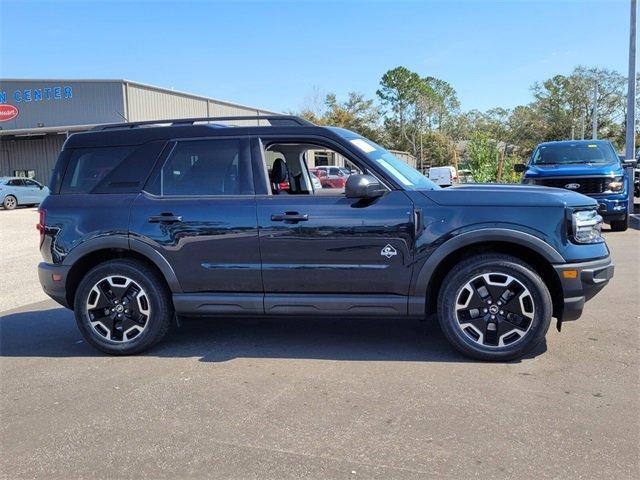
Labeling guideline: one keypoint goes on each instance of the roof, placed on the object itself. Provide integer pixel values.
(148, 133)
(573, 142)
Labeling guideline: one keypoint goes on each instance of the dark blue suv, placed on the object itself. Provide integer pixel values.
(149, 221)
(590, 167)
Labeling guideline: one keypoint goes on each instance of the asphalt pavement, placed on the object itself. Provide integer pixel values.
(292, 398)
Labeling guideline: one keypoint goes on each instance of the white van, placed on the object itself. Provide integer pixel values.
(443, 176)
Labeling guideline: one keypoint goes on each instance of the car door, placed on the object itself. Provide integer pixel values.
(198, 211)
(328, 254)
(34, 191)
(18, 189)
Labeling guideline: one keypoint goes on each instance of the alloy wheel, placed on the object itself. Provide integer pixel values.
(494, 310)
(118, 308)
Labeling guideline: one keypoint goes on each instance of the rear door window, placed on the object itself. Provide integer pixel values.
(206, 167)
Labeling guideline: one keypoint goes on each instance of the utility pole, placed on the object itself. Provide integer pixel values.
(594, 128)
(630, 153)
(582, 125)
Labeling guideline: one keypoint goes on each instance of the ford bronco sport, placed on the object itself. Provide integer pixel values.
(150, 221)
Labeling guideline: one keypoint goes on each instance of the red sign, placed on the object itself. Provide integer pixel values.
(8, 112)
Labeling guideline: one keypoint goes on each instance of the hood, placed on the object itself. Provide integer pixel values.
(505, 195)
(577, 169)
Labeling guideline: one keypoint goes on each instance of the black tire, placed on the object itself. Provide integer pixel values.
(619, 225)
(10, 202)
(538, 300)
(158, 303)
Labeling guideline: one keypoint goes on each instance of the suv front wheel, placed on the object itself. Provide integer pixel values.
(494, 307)
(122, 307)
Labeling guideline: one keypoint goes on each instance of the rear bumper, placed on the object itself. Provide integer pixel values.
(590, 279)
(53, 279)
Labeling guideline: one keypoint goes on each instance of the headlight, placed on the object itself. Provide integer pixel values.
(586, 226)
(616, 185)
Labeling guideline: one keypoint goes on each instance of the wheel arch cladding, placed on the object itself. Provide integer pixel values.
(85, 263)
(436, 268)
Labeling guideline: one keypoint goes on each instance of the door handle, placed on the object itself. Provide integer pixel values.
(292, 217)
(165, 218)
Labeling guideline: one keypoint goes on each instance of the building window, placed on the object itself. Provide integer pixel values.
(24, 173)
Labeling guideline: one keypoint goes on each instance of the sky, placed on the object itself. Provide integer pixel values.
(276, 54)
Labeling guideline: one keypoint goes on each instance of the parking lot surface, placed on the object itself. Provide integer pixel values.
(19, 258)
(291, 398)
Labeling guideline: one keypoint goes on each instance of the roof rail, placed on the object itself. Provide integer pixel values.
(274, 120)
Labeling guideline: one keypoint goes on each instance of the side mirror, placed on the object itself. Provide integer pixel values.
(629, 163)
(363, 186)
(519, 168)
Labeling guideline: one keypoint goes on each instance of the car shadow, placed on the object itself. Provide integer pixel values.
(53, 333)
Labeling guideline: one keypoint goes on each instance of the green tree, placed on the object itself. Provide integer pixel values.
(438, 149)
(483, 158)
(356, 113)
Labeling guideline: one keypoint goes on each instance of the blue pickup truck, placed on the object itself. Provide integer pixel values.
(590, 167)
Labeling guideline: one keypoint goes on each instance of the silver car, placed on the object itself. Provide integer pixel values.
(16, 191)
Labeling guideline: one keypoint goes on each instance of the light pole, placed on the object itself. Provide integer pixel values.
(594, 128)
(630, 153)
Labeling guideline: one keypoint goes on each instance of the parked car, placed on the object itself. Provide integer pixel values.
(590, 167)
(466, 176)
(443, 176)
(16, 191)
(182, 220)
(330, 177)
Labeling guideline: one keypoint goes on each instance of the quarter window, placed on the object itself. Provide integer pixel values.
(88, 167)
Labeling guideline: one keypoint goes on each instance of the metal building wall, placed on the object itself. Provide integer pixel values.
(30, 153)
(91, 102)
(146, 103)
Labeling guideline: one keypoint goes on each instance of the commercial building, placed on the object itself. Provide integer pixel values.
(36, 116)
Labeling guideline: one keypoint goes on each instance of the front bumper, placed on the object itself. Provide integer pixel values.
(53, 279)
(590, 279)
(612, 206)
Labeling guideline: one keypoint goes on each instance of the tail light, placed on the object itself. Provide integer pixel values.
(40, 225)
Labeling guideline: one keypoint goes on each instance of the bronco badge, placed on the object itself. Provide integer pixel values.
(388, 251)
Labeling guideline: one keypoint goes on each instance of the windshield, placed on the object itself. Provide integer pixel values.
(566, 153)
(402, 172)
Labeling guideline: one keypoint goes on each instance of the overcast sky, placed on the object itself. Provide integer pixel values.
(272, 54)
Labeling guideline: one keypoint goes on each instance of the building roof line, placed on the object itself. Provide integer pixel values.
(139, 84)
(37, 131)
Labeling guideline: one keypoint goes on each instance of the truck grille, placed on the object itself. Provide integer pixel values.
(588, 186)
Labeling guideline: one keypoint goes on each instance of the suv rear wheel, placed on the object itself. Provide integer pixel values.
(122, 307)
(494, 307)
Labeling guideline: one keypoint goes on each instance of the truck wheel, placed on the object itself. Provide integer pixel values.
(122, 307)
(619, 225)
(494, 307)
(10, 202)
